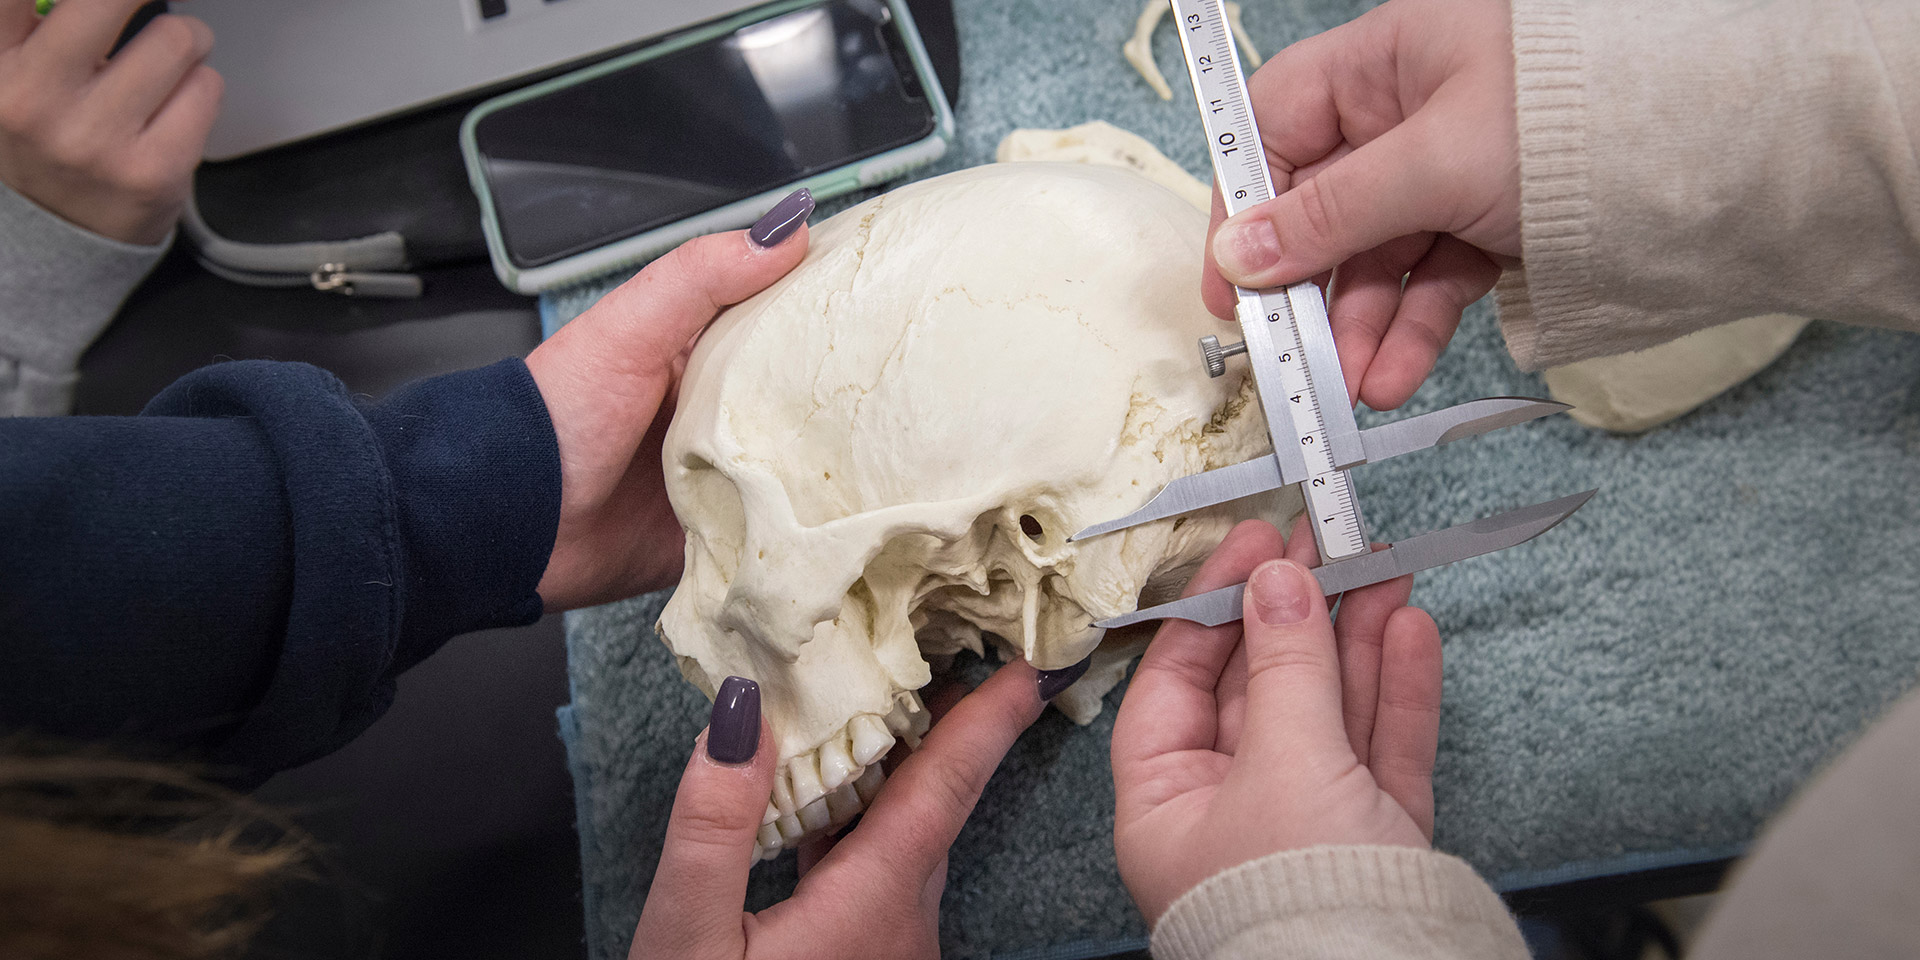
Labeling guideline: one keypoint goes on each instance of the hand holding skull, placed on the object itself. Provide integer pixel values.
(605, 378)
(874, 891)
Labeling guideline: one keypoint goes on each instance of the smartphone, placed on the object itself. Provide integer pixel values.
(614, 164)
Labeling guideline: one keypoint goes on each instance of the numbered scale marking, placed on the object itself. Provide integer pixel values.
(1303, 393)
(1311, 423)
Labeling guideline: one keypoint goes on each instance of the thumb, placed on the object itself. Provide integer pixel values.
(653, 315)
(646, 322)
(699, 890)
(1293, 666)
(1384, 189)
(604, 374)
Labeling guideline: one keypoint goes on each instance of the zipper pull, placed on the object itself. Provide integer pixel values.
(338, 278)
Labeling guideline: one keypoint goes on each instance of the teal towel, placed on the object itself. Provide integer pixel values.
(1643, 685)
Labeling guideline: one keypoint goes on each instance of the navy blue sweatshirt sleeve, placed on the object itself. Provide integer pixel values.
(238, 573)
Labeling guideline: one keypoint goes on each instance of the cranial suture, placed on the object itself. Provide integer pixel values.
(880, 458)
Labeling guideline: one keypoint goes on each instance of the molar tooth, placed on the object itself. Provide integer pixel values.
(843, 804)
(772, 814)
(806, 780)
(769, 840)
(836, 765)
(815, 817)
(759, 853)
(790, 828)
(869, 783)
(871, 741)
(783, 791)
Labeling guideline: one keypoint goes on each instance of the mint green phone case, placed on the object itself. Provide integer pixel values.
(635, 250)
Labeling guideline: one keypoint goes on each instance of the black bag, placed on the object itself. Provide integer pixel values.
(396, 189)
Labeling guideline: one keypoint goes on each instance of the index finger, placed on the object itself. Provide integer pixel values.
(926, 800)
(699, 887)
(78, 34)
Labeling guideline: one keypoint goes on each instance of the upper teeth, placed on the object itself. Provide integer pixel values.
(822, 789)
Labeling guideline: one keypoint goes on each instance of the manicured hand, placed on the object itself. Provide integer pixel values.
(108, 144)
(1288, 732)
(876, 892)
(1395, 152)
(608, 378)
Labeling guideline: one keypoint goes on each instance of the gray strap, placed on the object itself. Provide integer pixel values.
(367, 266)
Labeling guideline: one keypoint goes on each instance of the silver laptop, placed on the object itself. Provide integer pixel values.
(296, 68)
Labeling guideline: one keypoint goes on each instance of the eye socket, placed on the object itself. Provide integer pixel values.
(1031, 527)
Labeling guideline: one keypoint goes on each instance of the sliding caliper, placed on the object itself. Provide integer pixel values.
(1302, 391)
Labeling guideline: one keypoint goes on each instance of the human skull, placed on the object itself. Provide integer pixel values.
(879, 459)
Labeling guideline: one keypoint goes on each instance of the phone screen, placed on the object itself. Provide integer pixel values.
(701, 127)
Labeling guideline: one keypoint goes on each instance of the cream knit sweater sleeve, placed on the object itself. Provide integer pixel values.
(1686, 163)
(1341, 903)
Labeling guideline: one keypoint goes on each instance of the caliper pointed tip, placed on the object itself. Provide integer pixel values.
(1575, 501)
(1562, 508)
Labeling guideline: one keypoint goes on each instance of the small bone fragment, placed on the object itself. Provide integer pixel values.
(1247, 53)
(1642, 390)
(871, 741)
(806, 780)
(843, 805)
(836, 764)
(869, 783)
(1139, 49)
(815, 817)
(1103, 144)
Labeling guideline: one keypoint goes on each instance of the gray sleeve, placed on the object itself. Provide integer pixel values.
(60, 286)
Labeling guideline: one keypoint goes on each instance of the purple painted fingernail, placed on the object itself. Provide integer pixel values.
(733, 731)
(1052, 682)
(780, 222)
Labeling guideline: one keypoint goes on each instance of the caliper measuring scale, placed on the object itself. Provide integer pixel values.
(1296, 371)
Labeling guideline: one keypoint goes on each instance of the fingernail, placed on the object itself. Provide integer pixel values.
(1052, 682)
(1246, 248)
(733, 732)
(780, 222)
(1279, 591)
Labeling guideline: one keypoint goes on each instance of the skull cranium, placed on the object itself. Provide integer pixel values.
(880, 458)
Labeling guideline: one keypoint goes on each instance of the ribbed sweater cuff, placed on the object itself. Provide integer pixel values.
(1550, 90)
(1344, 901)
